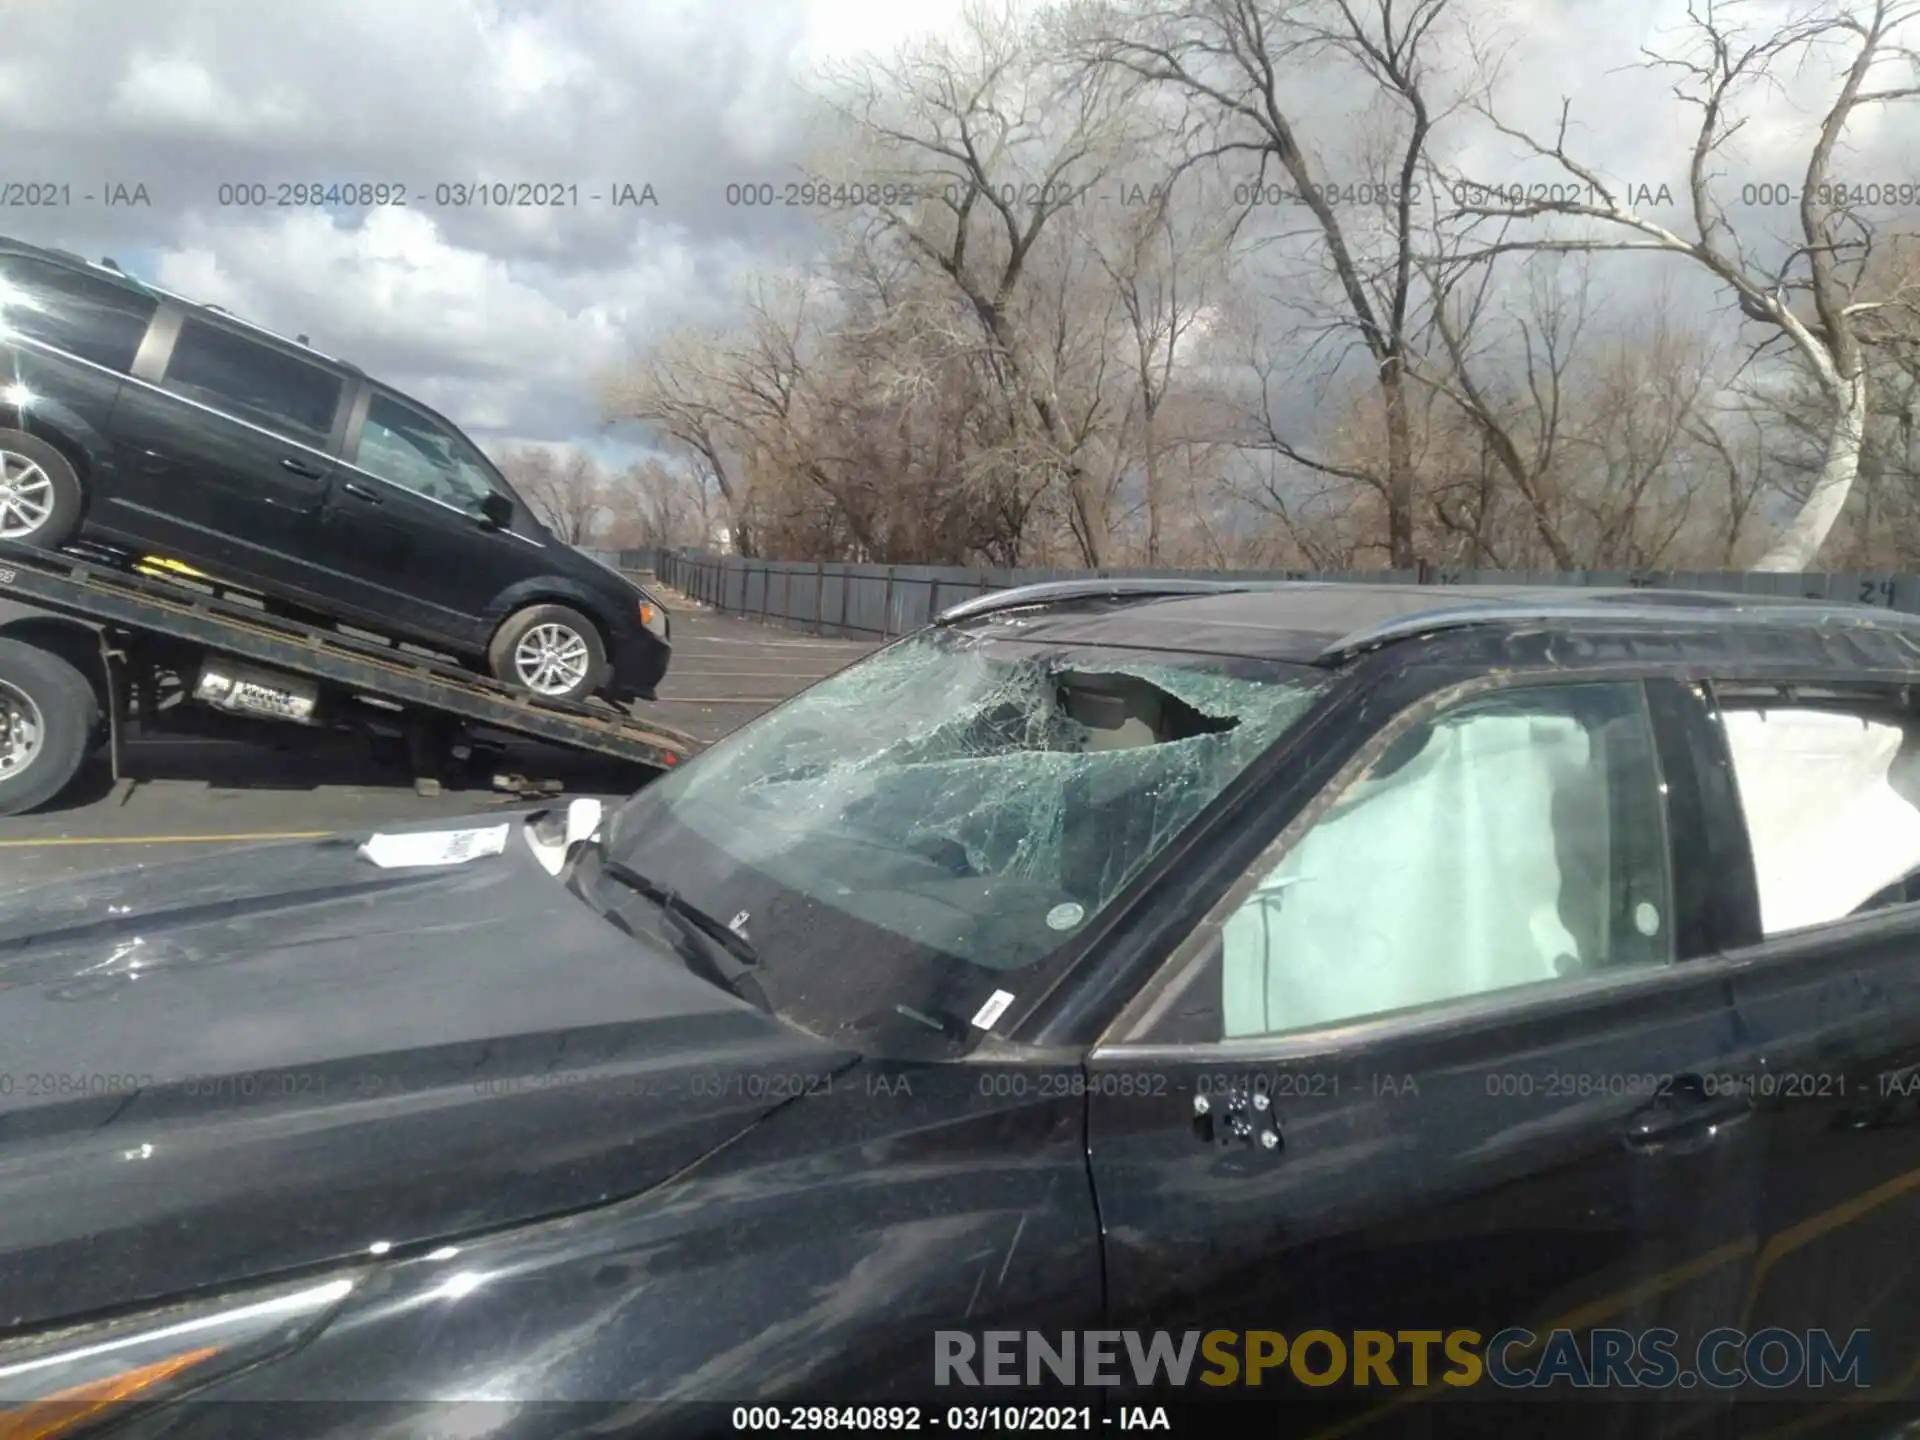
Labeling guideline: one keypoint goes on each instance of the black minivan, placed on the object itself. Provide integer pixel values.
(135, 419)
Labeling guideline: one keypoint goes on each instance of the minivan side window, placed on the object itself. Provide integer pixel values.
(85, 315)
(1516, 839)
(1831, 793)
(400, 444)
(250, 381)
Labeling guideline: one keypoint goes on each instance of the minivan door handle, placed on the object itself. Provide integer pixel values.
(361, 492)
(1686, 1117)
(302, 467)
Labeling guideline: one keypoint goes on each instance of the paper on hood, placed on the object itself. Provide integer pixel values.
(434, 847)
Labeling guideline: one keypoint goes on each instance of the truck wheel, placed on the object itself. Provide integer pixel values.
(550, 651)
(49, 722)
(40, 499)
(72, 642)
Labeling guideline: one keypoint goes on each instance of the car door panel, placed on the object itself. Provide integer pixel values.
(430, 562)
(1481, 1180)
(1842, 1192)
(1542, 1155)
(433, 567)
(215, 489)
(224, 445)
(1831, 1010)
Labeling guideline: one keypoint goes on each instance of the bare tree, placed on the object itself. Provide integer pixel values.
(1880, 528)
(680, 391)
(1523, 438)
(1585, 438)
(1830, 260)
(1737, 463)
(995, 146)
(1164, 258)
(656, 504)
(570, 491)
(1239, 64)
(1039, 349)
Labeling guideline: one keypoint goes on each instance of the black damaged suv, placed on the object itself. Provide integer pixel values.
(1443, 986)
(135, 419)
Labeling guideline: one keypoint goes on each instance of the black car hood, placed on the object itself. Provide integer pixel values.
(226, 1067)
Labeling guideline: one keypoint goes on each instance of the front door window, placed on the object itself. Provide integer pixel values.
(1516, 839)
(400, 444)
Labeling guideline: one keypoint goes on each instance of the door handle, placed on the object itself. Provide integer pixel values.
(361, 492)
(301, 467)
(1687, 1117)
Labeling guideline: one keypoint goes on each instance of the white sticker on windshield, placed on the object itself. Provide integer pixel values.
(1065, 917)
(434, 847)
(995, 1007)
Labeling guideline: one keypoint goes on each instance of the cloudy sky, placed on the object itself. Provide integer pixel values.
(502, 317)
(499, 316)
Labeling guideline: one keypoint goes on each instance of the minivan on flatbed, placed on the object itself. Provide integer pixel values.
(136, 419)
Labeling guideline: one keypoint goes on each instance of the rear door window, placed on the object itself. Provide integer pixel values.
(1831, 790)
(255, 382)
(86, 315)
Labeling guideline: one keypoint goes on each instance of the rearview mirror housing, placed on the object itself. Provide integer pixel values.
(497, 509)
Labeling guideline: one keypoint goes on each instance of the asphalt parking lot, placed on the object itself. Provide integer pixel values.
(189, 797)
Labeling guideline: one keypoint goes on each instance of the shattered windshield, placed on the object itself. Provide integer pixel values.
(931, 824)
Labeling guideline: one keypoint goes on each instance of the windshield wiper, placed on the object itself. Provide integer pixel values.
(728, 962)
(694, 934)
(674, 904)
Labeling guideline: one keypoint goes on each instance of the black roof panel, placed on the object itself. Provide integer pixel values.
(1326, 621)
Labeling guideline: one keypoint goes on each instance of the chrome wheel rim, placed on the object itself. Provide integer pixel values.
(22, 731)
(551, 659)
(26, 496)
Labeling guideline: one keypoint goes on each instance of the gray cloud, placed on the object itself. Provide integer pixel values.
(502, 316)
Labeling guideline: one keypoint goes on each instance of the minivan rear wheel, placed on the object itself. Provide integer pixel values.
(550, 651)
(40, 499)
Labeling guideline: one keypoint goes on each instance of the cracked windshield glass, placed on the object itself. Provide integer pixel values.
(933, 824)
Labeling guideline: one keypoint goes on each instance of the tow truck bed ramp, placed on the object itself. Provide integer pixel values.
(104, 595)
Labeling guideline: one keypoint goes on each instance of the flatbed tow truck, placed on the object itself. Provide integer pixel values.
(106, 642)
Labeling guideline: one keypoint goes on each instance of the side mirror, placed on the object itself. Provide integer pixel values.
(497, 510)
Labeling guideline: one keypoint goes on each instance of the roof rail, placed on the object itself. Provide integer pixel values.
(1054, 592)
(1735, 609)
(27, 247)
(228, 315)
(106, 264)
